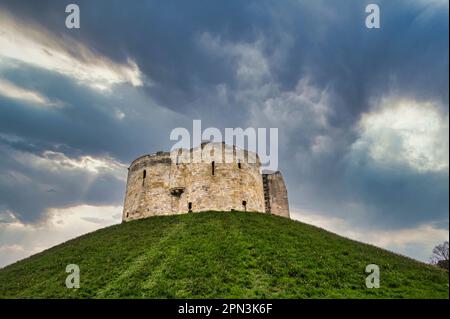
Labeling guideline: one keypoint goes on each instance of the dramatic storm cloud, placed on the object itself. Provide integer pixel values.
(362, 113)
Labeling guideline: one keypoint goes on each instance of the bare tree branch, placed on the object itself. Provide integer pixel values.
(440, 255)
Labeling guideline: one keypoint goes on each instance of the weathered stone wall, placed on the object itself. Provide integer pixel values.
(276, 197)
(169, 183)
(147, 187)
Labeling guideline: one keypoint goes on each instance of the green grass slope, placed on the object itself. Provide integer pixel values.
(219, 255)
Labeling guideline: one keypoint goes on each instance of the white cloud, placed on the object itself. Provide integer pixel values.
(22, 240)
(34, 45)
(33, 98)
(417, 242)
(59, 162)
(405, 132)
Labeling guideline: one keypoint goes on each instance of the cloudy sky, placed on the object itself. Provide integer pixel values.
(362, 114)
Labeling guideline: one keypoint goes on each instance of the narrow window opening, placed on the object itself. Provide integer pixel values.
(244, 203)
(128, 214)
(239, 164)
(212, 167)
(190, 207)
(144, 175)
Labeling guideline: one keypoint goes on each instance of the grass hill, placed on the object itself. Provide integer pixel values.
(219, 255)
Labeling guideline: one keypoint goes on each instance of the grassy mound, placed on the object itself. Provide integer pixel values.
(219, 255)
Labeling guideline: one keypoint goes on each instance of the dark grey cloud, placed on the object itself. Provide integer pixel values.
(398, 196)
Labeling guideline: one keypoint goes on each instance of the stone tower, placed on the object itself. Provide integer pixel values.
(213, 176)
